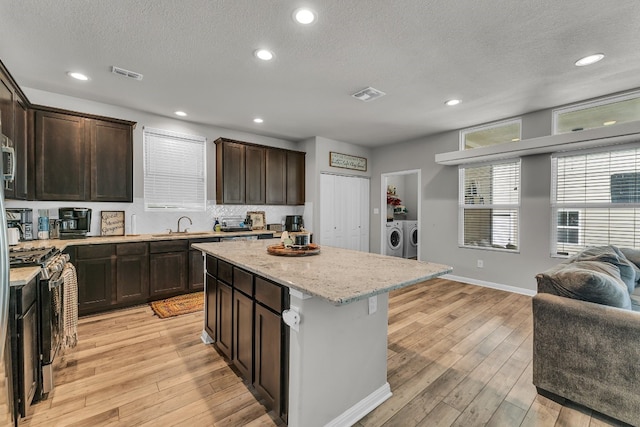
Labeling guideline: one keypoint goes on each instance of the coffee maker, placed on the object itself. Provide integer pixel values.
(75, 223)
(22, 219)
(293, 223)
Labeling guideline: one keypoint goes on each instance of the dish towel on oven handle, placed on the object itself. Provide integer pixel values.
(70, 313)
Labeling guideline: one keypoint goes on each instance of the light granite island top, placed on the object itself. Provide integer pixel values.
(340, 276)
(337, 340)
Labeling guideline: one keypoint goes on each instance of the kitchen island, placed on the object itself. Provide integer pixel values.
(337, 316)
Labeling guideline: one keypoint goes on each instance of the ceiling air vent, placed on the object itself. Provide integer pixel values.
(368, 94)
(126, 73)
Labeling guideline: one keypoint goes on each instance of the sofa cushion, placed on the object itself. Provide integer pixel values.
(635, 302)
(633, 255)
(592, 281)
(612, 255)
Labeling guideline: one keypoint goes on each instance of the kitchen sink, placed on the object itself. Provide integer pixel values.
(176, 234)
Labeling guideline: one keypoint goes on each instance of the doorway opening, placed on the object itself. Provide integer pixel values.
(400, 210)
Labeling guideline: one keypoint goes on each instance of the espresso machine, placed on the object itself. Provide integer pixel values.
(75, 223)
(22, 219)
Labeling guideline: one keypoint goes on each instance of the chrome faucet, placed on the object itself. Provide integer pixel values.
(180, 219)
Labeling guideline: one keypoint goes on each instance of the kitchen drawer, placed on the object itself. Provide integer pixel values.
(203, 240)
(95, 251)
(225, 272)
(269, 294)
(243, 281)
(137, 248)
(177, 245)
(212, 266)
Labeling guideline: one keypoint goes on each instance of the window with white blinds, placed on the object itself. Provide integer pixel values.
(174, 171)
(595, 199)
(489, 206)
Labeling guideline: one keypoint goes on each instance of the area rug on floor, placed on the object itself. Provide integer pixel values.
(182, 304)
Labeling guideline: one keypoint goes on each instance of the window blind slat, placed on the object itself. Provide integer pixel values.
(490, 206)
(174, 171)
(601, 192)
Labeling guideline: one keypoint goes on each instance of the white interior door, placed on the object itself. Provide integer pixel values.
(344, 212)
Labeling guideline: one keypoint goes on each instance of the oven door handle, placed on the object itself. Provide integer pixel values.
(54, 283)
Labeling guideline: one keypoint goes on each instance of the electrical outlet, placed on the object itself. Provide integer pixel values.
(373, 304)
(376, 211)
(480, 263)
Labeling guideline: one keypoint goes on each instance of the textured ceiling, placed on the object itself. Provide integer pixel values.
(502, 58)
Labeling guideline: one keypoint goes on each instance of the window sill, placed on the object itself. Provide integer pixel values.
(600, 137)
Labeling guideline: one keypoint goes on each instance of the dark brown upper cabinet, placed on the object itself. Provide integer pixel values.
(82, 158)
(256, 175)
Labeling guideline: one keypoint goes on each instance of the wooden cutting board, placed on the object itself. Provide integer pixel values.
(280, 250)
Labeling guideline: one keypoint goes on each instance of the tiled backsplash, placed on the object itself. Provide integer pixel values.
(158, 222)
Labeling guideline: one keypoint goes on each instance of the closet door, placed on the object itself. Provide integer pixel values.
(327, 210)
(364, 215)
(344, 212)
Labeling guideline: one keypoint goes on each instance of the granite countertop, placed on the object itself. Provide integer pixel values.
(339, 276)
(19, 276)
(129, 238)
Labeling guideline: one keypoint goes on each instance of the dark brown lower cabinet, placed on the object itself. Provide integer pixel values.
(224, 323)
(168, 273)
(132, 272)
(243, 334)
(243, 317)
(196, 270)
(211, 307)
(269, 371)
(95, 268)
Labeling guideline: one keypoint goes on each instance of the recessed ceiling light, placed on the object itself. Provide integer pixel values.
(181, 113)
(264, 54)
(304, 16)
(258, 120)
(609, 123)
(452, 102)
(588, 60)
(78, 76)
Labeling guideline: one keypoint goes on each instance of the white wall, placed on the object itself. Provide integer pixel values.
(148, 222)
(439, 213)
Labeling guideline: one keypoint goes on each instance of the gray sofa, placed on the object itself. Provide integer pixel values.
(586, 332)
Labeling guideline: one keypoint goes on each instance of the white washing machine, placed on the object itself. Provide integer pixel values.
(394, 239)
(410, 232)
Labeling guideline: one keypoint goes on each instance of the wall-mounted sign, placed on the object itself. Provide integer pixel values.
(112, 223)
(346, 161)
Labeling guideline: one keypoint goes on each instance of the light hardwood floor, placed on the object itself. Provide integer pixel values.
(459, 355)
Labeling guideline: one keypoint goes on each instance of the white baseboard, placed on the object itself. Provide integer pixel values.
(206, 338)
(491, 285)
(362, 408)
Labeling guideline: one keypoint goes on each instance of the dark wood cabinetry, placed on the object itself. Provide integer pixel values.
(256, 174)
(95, 265)
(230, 173)
(224, 313)
(276, 177)
(168, 267)
(111, 161)
(132, 272)
(59, 146)
(23, 331)
(14, 125)
(96, 155)
(243, 317)
(295, 178)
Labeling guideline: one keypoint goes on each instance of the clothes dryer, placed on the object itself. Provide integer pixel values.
(410, 234)
(394, 239)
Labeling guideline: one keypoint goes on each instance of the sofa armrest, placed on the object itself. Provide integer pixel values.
(588, 353)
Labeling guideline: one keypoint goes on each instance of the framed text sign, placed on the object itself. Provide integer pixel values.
(346, 161)
(112, 223)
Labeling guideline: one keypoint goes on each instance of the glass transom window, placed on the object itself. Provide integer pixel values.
(595, 114)
(491, 134)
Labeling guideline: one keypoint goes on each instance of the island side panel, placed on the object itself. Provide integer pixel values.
(338, 360)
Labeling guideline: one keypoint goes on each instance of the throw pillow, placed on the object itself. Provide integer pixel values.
(612, 255)
(592, 281)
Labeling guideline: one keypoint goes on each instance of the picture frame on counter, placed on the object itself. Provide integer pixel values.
(257, 220)
(347, 161)
(112, 223)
